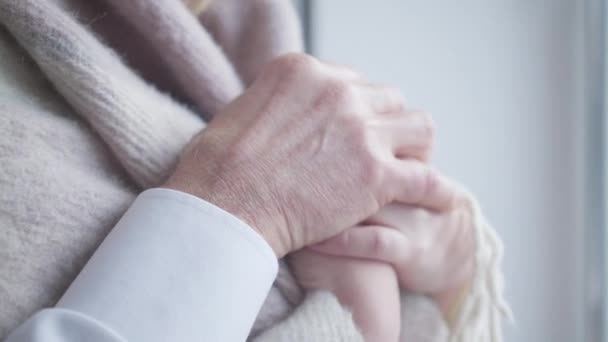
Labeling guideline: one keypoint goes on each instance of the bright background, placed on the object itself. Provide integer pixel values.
(503, 81)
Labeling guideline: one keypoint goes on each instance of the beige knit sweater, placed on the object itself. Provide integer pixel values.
(87, 121)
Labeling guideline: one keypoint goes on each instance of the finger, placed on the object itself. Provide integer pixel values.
(398, 215)
(381, 99)
(368, 242)
(410, 133)
(415, 183)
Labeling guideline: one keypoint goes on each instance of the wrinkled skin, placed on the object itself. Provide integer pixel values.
(308, 150)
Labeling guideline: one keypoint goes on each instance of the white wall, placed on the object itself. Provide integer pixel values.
(499, 77)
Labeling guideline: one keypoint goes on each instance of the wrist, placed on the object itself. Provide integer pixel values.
(241, 206)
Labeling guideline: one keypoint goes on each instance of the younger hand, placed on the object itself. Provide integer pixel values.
(368, 288)
(431, 251)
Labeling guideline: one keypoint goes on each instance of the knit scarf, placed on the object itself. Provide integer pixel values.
(175, 70)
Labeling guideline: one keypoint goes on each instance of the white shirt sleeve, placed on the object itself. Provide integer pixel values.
(175, 268)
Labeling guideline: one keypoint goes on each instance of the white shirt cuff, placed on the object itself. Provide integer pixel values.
(175, 268)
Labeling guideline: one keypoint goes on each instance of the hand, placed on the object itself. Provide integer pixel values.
(309, 150)
(431, 251)
(368, 288)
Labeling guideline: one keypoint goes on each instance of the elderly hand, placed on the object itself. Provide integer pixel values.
(309, 150)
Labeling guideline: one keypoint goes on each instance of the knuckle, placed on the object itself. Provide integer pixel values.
(372, 166)
(355, 127)
(423, 182)
(292, 63)
(381, 244)
(339, 93)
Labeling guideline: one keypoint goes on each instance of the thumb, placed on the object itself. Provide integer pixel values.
(368, 242)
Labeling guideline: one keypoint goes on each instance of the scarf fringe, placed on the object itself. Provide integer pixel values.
(485, 308)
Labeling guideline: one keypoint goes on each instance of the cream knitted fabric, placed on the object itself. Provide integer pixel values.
(81, 132)
(320, 310)
(484, 309)
(415, 322)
